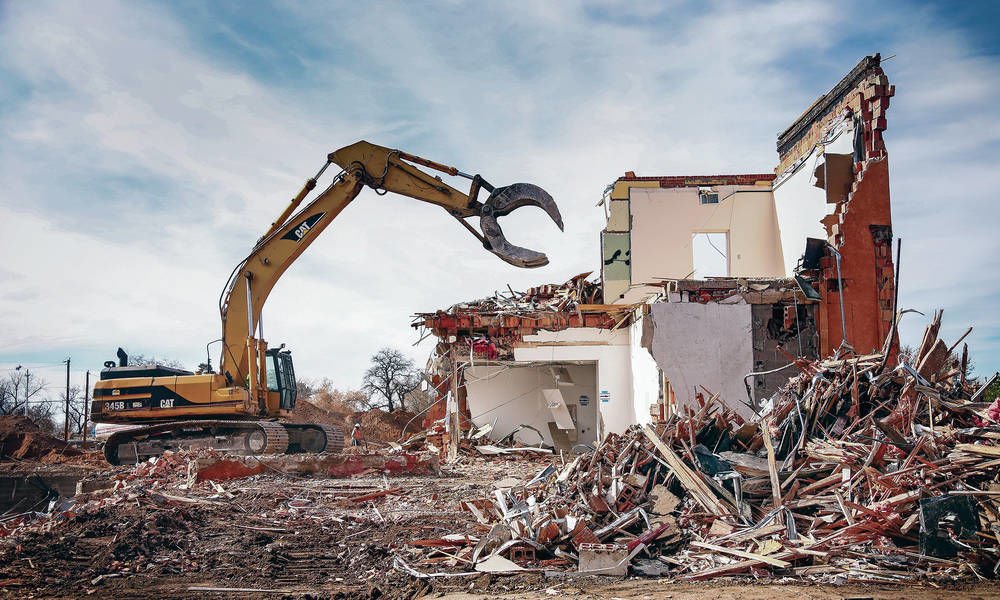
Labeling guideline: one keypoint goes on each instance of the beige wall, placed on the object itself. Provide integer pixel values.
(663, 220)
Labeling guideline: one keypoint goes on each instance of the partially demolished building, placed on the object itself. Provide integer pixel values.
(710, 287)
(718, 297)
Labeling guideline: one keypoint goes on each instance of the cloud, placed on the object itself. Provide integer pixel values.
(148, 146)
(943, 140)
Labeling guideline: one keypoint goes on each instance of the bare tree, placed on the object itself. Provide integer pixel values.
(142, 360)
(418, 400)
(304, 388)
(390, 378)
(17, 389)
(41, 414)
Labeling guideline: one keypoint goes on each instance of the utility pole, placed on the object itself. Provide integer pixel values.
(66, 425)
(86, 406)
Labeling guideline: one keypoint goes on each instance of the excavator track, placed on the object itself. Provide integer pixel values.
(234, 437)
(314, 438)
(276, 440)
(334, 438)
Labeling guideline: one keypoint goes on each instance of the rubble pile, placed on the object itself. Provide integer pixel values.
(853, 472)
(550, 297)
(21, 438)
(145, 480)
(488, 328)
(190, 517)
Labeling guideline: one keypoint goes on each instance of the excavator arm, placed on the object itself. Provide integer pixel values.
(362, 165)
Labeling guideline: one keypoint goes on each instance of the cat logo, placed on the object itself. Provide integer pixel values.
(299, 231)
(116, 392)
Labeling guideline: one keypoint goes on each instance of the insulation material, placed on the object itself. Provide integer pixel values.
(709, 345)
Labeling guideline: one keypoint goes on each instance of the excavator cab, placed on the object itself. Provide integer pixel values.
(281, 376)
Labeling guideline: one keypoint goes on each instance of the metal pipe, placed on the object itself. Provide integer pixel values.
(251, 347)
(430, 164)
(66, 423)
(840, 288)
(895, 308)
(208, 356)
(798, 327)
(753, 401)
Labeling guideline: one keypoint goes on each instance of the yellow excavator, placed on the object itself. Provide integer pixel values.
(240, 408)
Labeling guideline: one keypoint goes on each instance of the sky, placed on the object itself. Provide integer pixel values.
(144, 147)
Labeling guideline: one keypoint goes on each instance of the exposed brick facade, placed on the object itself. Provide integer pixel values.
(676, 181)
(865, 240)
(861, 225)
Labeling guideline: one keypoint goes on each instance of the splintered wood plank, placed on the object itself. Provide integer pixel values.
(740, 553)
(979, 449)
(772, 467)
(691, 481)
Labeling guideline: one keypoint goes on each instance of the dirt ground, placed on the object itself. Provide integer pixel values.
(654, 589)
(378, 426)
(276, 535)
(303, 535)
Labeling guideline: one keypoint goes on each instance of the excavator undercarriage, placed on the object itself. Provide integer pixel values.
(248, 438)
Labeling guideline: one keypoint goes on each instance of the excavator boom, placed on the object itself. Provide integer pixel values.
(363, 165)
(182, 409)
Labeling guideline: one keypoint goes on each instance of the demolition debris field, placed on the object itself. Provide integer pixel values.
(857, 479)
(310, 536)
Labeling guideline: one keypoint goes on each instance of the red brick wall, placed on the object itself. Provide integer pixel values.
(866, 268)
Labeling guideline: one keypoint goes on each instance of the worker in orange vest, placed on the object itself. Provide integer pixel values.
(356, 437)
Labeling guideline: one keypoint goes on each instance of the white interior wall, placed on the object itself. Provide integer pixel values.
(645, 374)
(513, 395)
(704, 344)
(800, 206)
(710, 255)
(609, 349)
